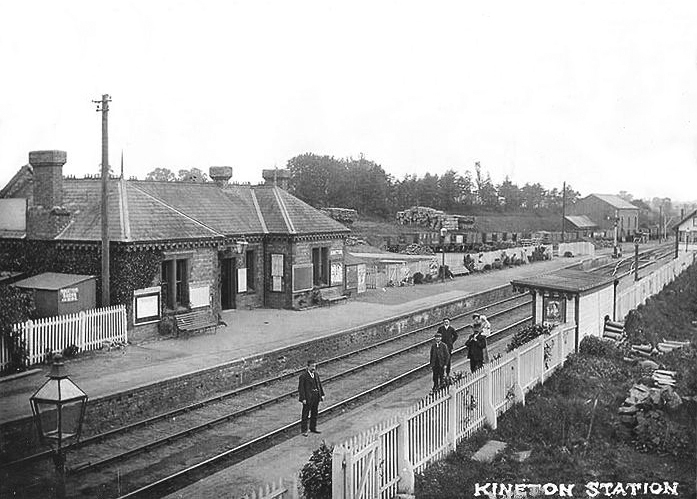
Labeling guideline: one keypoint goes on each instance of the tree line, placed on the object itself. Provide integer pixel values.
(362, 184)
(325, 181)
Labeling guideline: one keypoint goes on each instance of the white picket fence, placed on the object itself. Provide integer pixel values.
(87, 330)
(368, 466)
(636, 294)
(276, 490)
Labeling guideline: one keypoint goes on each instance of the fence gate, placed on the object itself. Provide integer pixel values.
(360, 464)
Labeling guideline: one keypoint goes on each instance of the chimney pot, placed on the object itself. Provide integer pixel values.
(279, 177)
(220, 174)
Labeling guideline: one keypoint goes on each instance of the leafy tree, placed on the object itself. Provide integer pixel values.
(533, 196)
(450, 188)
(192, 175)
(510, 192)
(318, 180)
(162, 174)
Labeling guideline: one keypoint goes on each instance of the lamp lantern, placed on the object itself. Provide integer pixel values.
(58, 409)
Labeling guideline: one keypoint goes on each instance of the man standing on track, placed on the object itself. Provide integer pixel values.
(449, 336)
(440, 357)
(310, 393)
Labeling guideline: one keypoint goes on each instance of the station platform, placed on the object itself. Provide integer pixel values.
(251, 332)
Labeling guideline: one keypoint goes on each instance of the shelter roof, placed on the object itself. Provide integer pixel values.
(616, 201)
(564, 281)
(581, 221)
(52, 281)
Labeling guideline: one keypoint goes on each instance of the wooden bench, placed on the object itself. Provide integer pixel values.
(198, 320)
(329, 296)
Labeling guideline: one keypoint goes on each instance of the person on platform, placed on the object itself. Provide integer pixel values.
(476, 345)
(310, 394)
(449, 336)
(440, 357)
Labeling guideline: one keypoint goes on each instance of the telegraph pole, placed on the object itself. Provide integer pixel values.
(563, 212)
(103, 107)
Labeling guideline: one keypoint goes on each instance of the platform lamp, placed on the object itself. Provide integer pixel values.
(58, 408)
(687, 237)
(443, 233)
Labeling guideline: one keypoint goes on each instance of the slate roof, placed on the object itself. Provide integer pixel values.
(154, 211)
(616, 201)
(581, 221)
(565, 280)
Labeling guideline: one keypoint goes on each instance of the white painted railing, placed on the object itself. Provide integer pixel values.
(87, 330)
(637, 294)
(368, 466)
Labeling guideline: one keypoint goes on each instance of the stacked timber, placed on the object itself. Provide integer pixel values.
(614, 331)
(345, 216)
(646, 350)
(431, 218)
(668, 345)
(664, 378)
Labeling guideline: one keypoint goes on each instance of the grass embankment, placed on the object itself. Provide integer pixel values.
(555, 424)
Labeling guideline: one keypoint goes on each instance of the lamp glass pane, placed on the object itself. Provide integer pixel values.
(62, 424)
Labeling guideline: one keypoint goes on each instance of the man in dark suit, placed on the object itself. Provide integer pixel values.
(310, 394)
(476, 344)
(449, 336)
(440, 357)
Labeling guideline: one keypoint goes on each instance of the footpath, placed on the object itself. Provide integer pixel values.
(251, 332)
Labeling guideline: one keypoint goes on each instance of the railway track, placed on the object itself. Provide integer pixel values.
(151, 457)
(157, 456)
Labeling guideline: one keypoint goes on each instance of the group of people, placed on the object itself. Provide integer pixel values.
(310, 390)
(444, 341)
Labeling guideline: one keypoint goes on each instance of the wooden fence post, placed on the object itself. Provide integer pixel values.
(404, 466)
(452, 419)
(489, 410)
(519, 393)
(339, 472)
(28, 334)
(81, 329)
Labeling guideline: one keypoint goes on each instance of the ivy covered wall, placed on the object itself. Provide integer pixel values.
(129, 270)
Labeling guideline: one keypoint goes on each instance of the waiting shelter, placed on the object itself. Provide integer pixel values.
(571, 296)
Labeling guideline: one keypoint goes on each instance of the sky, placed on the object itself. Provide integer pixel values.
(600, 94)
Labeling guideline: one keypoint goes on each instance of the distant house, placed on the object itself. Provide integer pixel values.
(607, 209)
(185, 244)
(581, 224)
(686, 234)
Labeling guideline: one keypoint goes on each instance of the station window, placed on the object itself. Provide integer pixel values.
(320, 266)
(175, 282)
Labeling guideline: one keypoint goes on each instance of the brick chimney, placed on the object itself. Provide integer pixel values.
(279, 178)
(221, 175)
(47, 217)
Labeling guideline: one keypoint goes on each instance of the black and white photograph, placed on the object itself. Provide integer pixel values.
(348, 250)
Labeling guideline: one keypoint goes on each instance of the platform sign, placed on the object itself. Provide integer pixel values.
(68, 295)
(146, 305)
(554, 309)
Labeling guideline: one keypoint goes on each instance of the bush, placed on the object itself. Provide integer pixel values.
(166, 326)
(70, 351)
(316, 475)
(16, 305)
(527, 334)
(418, 278)
(487, 267)
(568, 254)
(598, 347)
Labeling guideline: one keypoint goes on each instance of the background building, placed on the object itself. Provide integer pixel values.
(607, 209)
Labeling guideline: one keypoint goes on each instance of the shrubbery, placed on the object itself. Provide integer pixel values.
(316, 475)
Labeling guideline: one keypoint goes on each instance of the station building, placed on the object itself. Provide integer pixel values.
(686, 234)
(175, 246)
(604, 210)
